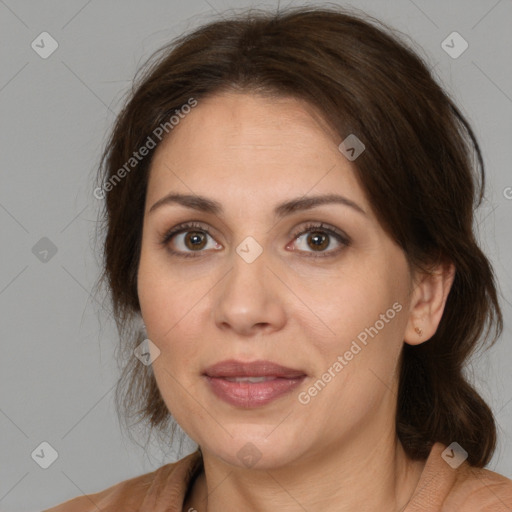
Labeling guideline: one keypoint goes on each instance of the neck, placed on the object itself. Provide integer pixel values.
(356, 475)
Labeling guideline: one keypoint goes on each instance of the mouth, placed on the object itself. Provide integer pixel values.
(254, 384)
(253, 380)
(232, 369)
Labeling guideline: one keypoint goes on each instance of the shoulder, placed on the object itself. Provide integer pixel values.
(129, 493)
(449, 486)
(479, 490)
(132, 494)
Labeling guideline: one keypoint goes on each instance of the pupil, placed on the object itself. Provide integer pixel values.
(319, 240)
(195, 240)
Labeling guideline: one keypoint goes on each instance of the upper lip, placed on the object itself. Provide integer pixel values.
(260, 368)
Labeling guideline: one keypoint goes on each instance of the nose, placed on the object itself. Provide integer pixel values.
(249, 300)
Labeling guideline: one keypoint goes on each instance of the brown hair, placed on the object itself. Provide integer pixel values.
(422, 171)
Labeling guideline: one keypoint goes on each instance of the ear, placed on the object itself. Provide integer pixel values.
(428, 299)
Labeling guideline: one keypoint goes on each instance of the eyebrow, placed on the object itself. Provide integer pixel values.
(204, 204)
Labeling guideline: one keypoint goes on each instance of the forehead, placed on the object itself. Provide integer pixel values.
(244, 145)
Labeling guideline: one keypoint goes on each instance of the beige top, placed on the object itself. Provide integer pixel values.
(440, 489)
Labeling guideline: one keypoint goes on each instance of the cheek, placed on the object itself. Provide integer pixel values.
(357, 369)
(335, 307)
(175, 309)
(168, 312)
(361, 317)
(165, 297)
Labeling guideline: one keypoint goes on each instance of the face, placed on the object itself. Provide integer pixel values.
(317, 288)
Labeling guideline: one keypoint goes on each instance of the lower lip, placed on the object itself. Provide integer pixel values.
(252, 394)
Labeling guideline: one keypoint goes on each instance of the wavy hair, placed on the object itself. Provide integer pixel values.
(422, 171)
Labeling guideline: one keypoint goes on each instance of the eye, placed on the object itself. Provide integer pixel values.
(318, 239)
(189, 238)
(186, 239)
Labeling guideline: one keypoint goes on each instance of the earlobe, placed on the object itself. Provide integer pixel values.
(428, 300)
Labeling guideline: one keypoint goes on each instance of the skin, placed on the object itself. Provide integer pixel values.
(339, 451)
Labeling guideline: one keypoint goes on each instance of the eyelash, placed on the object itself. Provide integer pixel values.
(309, 227)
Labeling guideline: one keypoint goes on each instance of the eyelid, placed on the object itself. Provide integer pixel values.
(311, 227)
(306, 227)
(183, 227)
(321, 226)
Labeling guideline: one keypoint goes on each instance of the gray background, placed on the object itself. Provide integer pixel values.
(57, 367)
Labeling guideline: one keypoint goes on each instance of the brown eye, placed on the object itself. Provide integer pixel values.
(314, 240)
(318, 241)
(189, 240)
(195, 240)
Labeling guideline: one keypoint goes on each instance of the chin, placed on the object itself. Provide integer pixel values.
(258, 451)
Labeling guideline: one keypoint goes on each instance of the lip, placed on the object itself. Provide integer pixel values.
(281, 380)
(260, 368)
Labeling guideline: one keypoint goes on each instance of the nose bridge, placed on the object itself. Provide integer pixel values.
(248, 273)
(248, 296)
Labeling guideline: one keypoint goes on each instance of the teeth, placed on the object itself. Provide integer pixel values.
(249, 379)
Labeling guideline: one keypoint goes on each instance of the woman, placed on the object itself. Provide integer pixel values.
(289, 207)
